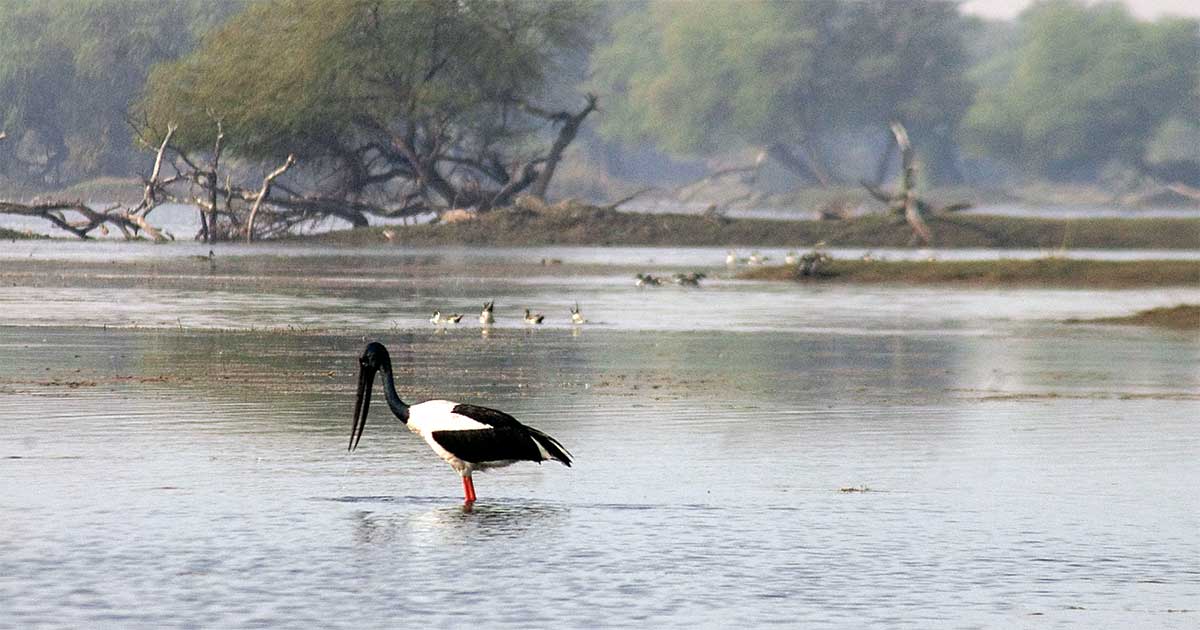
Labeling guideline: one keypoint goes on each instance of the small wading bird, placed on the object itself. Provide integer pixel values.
(468, 437)
(577, 315)
(647, 280)
(690, 279)
(485, 316)
(439, 320)
(533, 318)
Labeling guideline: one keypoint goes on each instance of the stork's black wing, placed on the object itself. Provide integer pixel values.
(486, 415)
(511, 442)
(506, 439)
(510, 438)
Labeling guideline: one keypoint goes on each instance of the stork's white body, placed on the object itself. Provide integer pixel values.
(438, 415)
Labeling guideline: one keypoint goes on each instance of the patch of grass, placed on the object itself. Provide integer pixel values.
(99, 189)
(1038, 272)
(1182, 317)
(586, 225)
(14, 235)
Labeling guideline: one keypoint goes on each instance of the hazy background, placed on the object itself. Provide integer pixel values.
(750, 105)
(1145, 9)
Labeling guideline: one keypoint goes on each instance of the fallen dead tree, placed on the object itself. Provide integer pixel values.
(905, 202)
(73, 216)
(233, 204)
(81, 220)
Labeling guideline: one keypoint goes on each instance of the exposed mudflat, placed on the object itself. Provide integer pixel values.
(1049, 271)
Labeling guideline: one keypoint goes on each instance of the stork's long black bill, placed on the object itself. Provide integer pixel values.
(362, 403)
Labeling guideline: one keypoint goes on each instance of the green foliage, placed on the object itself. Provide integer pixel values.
(757, 72)
(1086, 85)
(326, 79)
(70, 68)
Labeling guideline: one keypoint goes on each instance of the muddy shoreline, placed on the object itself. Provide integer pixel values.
(582, 225)
(1049, 272)
(1182, 317)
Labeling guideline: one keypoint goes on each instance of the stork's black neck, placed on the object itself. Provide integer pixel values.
(398, 407)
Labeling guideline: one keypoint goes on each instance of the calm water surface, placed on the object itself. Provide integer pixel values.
(1020, 472)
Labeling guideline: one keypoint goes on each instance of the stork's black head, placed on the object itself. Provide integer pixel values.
(374, 358)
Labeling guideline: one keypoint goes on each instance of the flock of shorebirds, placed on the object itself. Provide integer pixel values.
(487, 316)
(755, 258)
(691, 279)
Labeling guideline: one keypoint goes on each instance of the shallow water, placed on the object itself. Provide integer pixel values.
(1020, 472)
(641, 257)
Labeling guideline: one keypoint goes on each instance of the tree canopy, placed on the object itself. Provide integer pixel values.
(69, 70)
(784, 74)
(1086, 85)
(413, 103)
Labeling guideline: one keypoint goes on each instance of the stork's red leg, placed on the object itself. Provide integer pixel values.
(468, 489)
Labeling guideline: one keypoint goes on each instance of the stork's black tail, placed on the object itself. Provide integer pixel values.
(553, 447)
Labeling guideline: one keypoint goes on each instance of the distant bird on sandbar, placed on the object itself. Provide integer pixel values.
(647, 280)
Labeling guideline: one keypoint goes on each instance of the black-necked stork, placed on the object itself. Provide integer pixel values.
(468, 437)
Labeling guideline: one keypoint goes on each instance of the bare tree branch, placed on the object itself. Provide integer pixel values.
(630, 197)
(570, 127)
(262, 194)
(54, 211)
(905, 201)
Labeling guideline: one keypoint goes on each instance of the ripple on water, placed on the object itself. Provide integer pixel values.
(203, 480)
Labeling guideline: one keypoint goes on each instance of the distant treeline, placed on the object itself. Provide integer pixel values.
(441, 97)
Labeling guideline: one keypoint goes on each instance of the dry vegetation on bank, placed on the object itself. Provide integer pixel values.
(586, 225)
(1182, 317)
(1038, 272)
(14, 235)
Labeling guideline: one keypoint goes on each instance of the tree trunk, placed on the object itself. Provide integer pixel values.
(885, 160)
(262, 194)
(804, 164)
(213, 180)
(565, 135)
